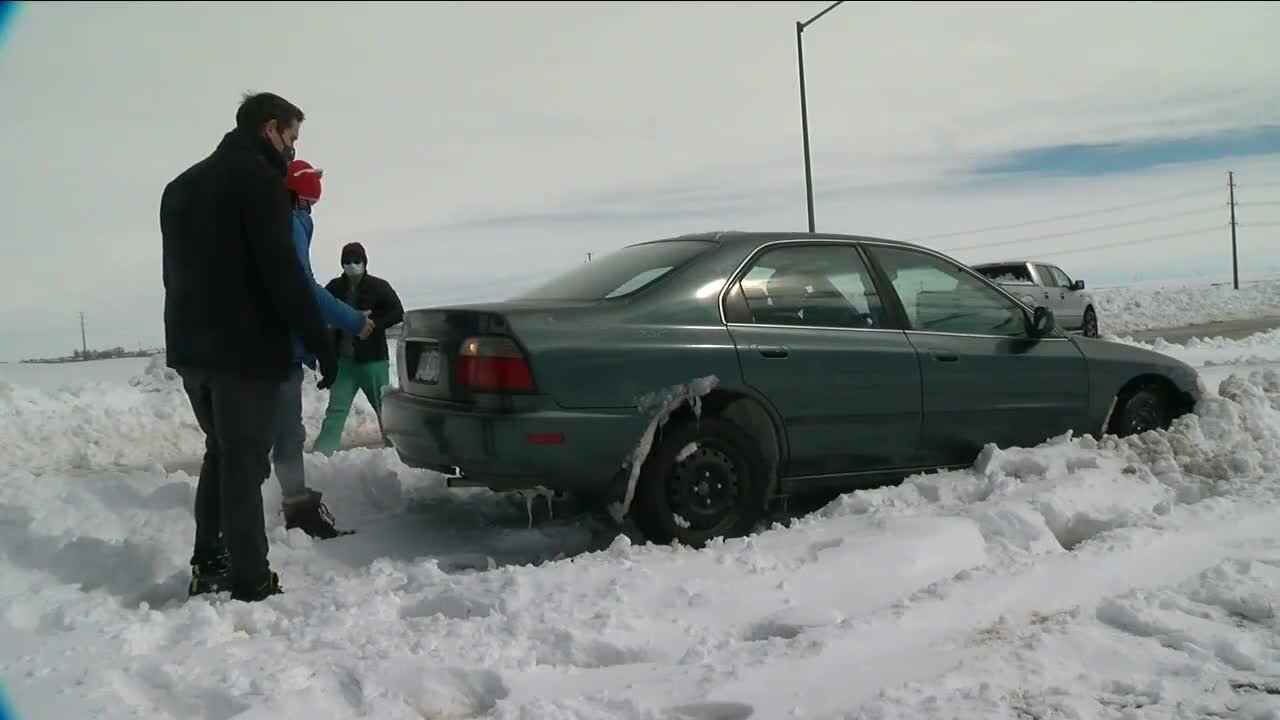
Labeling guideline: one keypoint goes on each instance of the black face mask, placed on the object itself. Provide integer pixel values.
(288, 153)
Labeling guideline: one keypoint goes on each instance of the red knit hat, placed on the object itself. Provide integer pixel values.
(304, 180)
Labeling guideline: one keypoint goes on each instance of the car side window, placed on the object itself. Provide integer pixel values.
(1060, 277)
(940, 296)
(821, 285)
(1047, 277)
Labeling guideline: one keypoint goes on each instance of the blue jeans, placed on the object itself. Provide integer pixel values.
(289, 437)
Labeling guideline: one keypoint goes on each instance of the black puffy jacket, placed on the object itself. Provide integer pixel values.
(235, 292)
(373, 294)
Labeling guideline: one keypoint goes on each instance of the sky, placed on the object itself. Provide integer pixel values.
(476, 148)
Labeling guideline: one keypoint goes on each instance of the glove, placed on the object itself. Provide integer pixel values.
(328, 361)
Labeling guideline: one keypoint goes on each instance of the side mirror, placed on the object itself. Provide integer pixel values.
(1077, 285)
(1042, 321)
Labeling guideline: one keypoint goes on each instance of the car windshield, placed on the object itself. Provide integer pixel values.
(619, 273)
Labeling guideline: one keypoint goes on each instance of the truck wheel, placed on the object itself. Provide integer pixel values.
(1090, 328)
(704, 479)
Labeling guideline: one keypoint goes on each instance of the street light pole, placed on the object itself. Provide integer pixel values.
(804, 123)
(804, 107)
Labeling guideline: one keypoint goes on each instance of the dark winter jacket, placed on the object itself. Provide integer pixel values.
(374, 294)
(235, 292)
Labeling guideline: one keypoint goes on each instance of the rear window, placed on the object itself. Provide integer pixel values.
(619, 273)
(1006, 273)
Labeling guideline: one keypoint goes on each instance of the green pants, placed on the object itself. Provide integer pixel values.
(368, 378)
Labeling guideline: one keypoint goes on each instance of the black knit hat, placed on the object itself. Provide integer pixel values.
(354, 251)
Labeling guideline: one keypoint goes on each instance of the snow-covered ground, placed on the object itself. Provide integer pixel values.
(1084, 578)
(1123, 310)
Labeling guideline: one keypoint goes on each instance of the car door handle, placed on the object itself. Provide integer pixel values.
(946, 357)
(772, 351)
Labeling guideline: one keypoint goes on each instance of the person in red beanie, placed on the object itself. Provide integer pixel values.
(363, 362)
(302, 506)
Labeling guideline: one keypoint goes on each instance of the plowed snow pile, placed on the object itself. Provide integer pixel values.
(147, 421)
(1125, 310)
(1084, 578)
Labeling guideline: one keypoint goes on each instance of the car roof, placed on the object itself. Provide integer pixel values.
(759, 237)
(1014, 262)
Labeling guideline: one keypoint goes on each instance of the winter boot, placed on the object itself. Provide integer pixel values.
(210, 576)
(312, 517)
(262, 591)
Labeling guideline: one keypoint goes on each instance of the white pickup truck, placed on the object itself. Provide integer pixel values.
(1038, 283)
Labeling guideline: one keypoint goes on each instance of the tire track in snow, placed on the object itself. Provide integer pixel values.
(935, 629)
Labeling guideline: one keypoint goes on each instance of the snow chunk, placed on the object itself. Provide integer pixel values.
(662, 403)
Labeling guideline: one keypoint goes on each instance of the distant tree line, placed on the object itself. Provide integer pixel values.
(88, 355)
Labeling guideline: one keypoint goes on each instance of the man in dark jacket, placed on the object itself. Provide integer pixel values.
(235, 295)
(363, 364)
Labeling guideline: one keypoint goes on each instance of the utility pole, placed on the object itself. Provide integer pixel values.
(588, 257)
(804, 107)
(1235, 263)
(84, 345)
(804, 123)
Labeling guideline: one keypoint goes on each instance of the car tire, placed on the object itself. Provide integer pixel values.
(1143, 408)
(716, 489)
(1089, 327)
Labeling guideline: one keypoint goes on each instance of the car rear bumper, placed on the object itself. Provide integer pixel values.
(552, 448)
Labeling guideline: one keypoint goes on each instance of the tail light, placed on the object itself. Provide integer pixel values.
(494, 364)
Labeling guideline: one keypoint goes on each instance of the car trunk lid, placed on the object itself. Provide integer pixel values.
(460, 353)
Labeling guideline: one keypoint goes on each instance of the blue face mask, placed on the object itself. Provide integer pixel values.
(353, 270)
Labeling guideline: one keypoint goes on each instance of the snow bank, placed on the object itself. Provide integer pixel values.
(1132, 309)
(1068, 491)
(1259, 349)
(147, 421)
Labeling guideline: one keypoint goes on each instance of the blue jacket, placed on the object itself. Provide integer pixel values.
(335, 312)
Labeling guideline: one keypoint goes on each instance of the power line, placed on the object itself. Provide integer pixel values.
(1069, 216)
(1138, 241)
(1081, 231)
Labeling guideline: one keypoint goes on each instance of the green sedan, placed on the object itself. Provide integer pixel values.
(690, 383)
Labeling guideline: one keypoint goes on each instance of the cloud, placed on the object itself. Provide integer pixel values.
(1122, 157)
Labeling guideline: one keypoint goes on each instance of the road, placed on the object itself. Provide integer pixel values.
(1230, 329)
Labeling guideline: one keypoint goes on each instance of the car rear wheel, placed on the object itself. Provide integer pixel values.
(704, 479)
(1090, 328)
(1144, 408)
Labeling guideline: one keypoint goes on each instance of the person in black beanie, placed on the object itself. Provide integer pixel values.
(364, 365)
